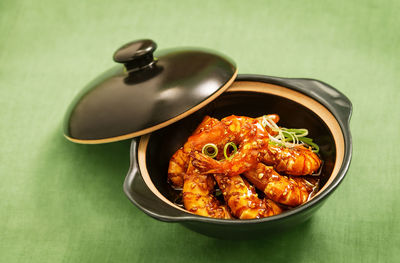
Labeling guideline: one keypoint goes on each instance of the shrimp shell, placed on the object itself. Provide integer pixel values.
(179, 161)
(198, 197)
(297, 161)
(243, 200)
(281, 189)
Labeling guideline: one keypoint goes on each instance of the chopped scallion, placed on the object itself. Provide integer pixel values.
(288, 137)
(226, 148)
(210, 149)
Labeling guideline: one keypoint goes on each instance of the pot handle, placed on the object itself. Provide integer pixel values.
(142, 197)
(328, 95)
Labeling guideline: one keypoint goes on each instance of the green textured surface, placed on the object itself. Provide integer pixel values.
(64, 202)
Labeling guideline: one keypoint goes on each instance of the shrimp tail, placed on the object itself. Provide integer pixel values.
(177, 168)
(206, 164)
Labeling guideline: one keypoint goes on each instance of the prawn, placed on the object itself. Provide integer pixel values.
(248, 133)
(197, 195)
(297, 160)
(207, 132)
(243, 200)
(281, 189)
(178, 164)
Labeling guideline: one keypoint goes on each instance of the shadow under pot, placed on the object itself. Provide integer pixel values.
(300, 103)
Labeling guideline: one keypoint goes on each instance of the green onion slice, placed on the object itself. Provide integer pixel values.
(297, 132)
(289, 137)
(233, 145)
(308, 141)
(210, 149)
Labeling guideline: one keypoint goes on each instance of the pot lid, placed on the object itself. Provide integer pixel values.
(146, 93)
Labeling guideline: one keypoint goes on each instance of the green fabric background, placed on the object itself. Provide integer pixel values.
(61, 202)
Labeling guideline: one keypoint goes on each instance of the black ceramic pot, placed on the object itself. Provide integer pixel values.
(304, 103)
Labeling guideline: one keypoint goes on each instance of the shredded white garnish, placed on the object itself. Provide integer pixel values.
(285, 137)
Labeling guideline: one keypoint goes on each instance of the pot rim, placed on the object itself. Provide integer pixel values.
(333, 100)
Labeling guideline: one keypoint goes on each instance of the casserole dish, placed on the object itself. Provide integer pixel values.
(305, 103)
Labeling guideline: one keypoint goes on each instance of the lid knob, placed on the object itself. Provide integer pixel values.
(136, 55)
